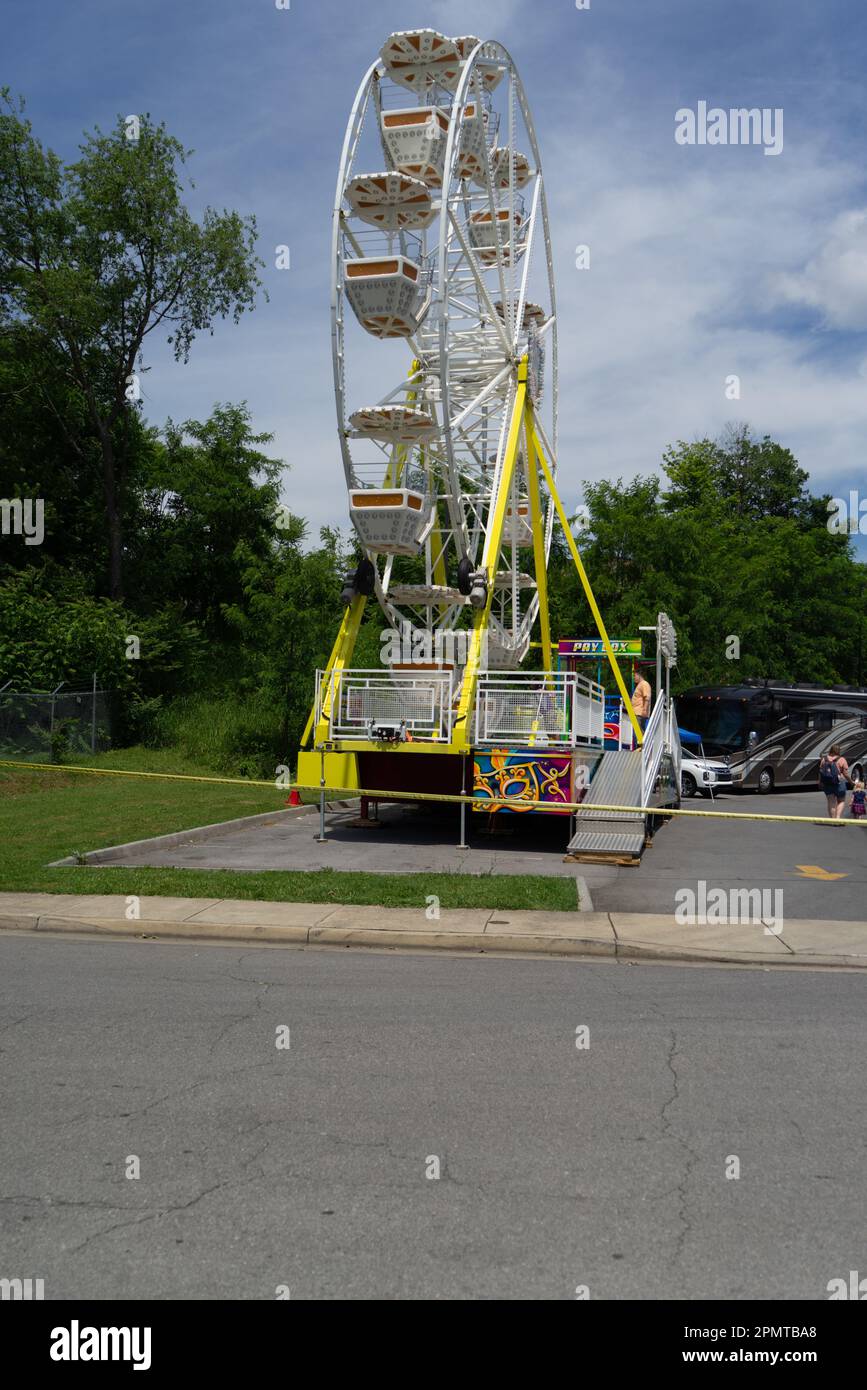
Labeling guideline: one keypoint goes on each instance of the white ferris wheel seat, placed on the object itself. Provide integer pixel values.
(416, 139)
(465, 43)
(518, 526)
(506, 579)
(472, 147)
(388, 295)
(394, 424)
(391, 521)
(488, 228)
(391, 201)
(426, 595)
(533, 313)
(418, 58)
(503, 654)
(490, 71)
(501, 158)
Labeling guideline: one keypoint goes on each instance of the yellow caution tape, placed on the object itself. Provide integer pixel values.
(119, 772)
(354, 793)
(576, 806)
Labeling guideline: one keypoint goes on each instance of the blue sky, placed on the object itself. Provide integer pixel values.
(706, 261)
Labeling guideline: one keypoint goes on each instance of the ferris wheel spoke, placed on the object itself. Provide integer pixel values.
(525, 271)
(508, 347)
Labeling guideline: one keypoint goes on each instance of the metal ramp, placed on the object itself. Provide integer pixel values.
(611, 836)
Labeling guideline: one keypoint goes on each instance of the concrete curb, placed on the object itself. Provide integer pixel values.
(193, 836)
(476, 932)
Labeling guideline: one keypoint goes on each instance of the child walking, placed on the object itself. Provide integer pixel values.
(859, 801)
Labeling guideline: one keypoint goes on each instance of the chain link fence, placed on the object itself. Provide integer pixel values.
(49, 726)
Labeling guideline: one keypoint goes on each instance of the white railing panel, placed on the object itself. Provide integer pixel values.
(539, 709)
(354, 699)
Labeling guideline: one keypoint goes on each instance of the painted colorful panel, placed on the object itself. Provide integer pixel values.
(525, 774)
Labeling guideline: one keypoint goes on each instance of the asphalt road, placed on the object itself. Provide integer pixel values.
(306, 1167)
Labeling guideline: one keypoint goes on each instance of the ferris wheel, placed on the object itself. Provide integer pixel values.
(444, 340)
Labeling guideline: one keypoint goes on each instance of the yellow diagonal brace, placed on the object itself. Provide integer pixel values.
(594, 607)
(341, 655)
(538, 523)
(490, 559)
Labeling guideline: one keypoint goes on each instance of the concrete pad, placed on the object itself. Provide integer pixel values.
(409, 919)
(588, 925)
(33, 903)
(235, 911)
(644, 935)
(110, 905)
(813, 938)
(649, 936)
(187, 930)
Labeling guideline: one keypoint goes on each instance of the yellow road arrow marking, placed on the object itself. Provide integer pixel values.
(814, 871)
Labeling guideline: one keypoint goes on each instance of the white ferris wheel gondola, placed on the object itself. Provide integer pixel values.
(502, 160)
(392, 201)
(421, 58)
(394, 424)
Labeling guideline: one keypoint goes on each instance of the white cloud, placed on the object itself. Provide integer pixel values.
(835, 280)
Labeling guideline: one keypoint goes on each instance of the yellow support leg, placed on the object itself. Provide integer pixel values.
(538, 538)
(594, 607)
(341, 655)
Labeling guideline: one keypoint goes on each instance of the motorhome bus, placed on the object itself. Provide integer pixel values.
(773, 735)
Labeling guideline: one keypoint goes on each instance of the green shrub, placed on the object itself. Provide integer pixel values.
(238, 735)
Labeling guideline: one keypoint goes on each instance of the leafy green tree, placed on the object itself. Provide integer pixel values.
(736, 546)
(288, 620)
(55, 631)
(736, 475)
(208, 504)
(95, 256)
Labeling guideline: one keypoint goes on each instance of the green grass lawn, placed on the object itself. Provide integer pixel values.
(46, 816)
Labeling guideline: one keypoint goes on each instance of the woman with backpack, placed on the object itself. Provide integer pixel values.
(833, 772)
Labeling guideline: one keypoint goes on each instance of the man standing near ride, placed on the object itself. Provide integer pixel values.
(833, 772)
(641, 697)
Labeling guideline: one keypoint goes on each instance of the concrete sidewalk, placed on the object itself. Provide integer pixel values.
(616, 934)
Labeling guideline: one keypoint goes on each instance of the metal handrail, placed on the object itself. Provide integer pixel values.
(653, 748)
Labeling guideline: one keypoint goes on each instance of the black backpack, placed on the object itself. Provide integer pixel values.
(829, 776)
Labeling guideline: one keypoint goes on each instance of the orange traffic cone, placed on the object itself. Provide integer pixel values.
(294, 798)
